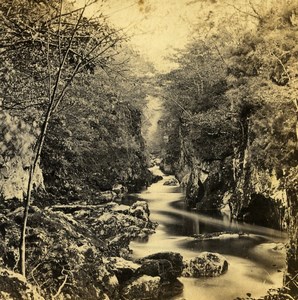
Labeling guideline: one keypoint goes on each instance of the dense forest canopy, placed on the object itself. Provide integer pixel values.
(224, 80)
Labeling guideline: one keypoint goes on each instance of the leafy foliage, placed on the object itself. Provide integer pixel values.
(95, 144)
(53, 52)
(222, 99)
(242, 121)
(47, 48)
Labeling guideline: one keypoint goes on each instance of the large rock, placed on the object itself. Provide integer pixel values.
(106, 196)
(14, 178)
(170, 289)
(207, 264)
(124, 269)
(140, 210)
(158, 267)
(80, 238)
(110, 285)
(119, 189)
(15, 286)
(156, 178)
(144, 287)
(15, 165)
(171, 182)
(167, 265)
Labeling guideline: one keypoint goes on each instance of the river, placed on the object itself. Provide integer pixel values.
(256, 258)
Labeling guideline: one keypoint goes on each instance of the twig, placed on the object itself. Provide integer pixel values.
(32, 274)
(254, 10)
(244, 12)
(62, 285)
(178, 105)
(59, 31)
(281, 63)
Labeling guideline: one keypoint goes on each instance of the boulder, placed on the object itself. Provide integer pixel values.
(119, 189)
(170, 289)
(110, 284)
(158, 267)
(124, 269)
(14, 178)
(144, 287)
(207, 264)
(140, 210)
(121, 208)
(156, 178)
(169, 265)
(15, 286)
(171, 182)
(106, 196)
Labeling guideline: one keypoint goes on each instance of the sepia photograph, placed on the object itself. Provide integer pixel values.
(148, 149)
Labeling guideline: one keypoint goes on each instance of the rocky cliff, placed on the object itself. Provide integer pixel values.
(241, 177)
(16, 144)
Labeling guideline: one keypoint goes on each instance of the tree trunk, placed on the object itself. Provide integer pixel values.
(27, 201)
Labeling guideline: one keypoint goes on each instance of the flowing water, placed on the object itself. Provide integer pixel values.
(256, 261)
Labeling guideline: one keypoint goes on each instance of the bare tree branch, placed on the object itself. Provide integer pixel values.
(244, 12)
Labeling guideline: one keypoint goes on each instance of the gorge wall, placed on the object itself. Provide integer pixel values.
(231, 123)
(86, 153)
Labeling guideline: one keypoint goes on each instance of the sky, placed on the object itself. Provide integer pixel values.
(157, 27)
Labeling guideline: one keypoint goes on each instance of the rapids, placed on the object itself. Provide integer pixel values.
(256, 257)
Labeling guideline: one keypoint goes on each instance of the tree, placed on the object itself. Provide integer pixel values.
(46, 45)
(266, 63)
(243, 121)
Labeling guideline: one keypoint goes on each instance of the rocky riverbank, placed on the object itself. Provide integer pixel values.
(69, 248)
(81, 251)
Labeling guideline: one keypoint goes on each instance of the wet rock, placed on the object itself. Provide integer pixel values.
(220, 235)
(121, 208)
(184, 180)
(144, 287)
(156, 178)
(119, 189)
(107, 196)
(15, 286)
(80, 236)
(207, 264)
(158, 267)
(118, 224)
(140, 210)
(261, 211)
(171, 182)
(110, 285)
(124, 269)
(170, 289)
(173, 266)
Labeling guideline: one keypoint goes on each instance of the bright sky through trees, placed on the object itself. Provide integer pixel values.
(157, 28)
